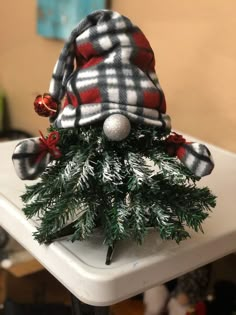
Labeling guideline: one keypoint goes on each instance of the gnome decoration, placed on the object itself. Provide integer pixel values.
(108, 116)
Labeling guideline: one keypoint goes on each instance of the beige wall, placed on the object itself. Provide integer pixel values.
(195, 48)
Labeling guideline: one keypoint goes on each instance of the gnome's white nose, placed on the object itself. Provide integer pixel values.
(116, 127)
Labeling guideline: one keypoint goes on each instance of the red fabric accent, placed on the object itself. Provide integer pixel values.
(144, 57)
(174, 145)
(200, 309)
(151, 99)
(48, 145)
(87, 56)
(162, 107)
(92, 62)
(181, 151)
(66, 102)
(91, 96)
(86, 50)
(144, 60)
(140, 40)
(70, 99)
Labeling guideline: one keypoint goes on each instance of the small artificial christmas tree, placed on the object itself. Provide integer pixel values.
(96, 166)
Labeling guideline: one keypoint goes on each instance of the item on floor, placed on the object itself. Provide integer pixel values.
(4, 240)
(13, 258)
(187, 296)
(224, 299)
(191, 288)
(108, 119)
(156, 299)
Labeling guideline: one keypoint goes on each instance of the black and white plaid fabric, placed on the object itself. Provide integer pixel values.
(197, 158)
(114, 73)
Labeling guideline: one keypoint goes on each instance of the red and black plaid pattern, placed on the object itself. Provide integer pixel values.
(114, 73)
(195, 156)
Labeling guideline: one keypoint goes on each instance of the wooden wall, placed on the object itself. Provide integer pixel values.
(195, 48)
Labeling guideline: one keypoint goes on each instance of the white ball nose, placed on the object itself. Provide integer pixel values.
(116, 127)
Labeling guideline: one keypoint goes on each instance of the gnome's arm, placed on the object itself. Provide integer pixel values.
(195, 156)
(26, 159)
(31, 156)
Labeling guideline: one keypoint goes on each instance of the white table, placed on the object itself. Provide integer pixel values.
(80, 266)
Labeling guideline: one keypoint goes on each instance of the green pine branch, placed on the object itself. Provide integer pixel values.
(113, 185)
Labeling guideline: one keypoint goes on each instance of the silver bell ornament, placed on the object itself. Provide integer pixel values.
(116, 127)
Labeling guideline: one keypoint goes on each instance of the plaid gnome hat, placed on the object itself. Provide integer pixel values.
(106, 67)
(114, 74)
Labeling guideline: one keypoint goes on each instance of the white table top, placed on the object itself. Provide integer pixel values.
(80, 266)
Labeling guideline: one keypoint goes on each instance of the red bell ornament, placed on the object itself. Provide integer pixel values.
(45, 105)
